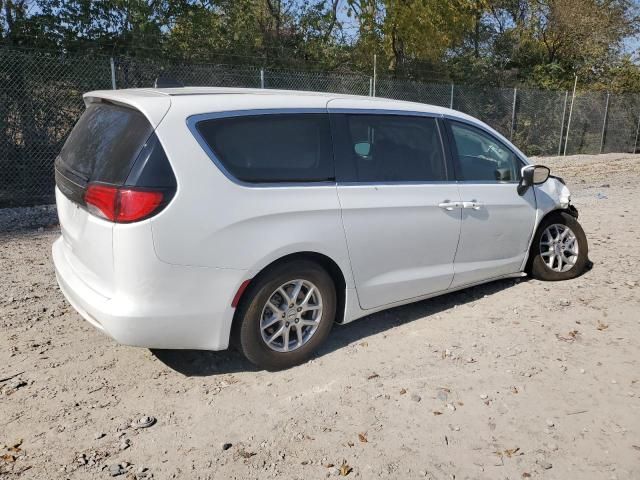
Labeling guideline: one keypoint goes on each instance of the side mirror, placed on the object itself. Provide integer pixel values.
(532, 175)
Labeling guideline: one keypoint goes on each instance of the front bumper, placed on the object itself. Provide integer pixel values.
(162, 306)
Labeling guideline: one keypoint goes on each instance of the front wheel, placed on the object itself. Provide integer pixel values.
(287, 313)
(559, 250)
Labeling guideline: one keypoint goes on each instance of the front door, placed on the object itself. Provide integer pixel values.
(497, 223)
(399, 207)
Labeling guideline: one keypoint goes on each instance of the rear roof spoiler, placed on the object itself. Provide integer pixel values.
(153, 104)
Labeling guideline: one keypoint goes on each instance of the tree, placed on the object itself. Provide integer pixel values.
(501, 42)
(406, 33)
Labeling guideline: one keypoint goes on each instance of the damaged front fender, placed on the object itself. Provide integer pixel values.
(552, 195)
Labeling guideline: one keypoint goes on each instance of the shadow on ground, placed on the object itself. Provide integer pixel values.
(198, 363)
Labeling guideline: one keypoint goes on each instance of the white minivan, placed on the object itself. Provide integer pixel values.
(196, 217)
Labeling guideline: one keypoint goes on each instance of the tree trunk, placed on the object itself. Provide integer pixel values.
(9, 20)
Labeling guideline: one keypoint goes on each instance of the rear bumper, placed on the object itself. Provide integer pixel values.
(156, 305)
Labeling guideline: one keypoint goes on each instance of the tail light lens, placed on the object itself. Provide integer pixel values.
(101, 201)
(122, 204)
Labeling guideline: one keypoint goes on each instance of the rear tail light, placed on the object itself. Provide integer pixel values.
(123, 204)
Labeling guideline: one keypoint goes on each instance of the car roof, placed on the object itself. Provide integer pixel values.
(224, 98)
(155, 102)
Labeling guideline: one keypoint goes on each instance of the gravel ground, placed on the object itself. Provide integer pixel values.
(514, 379)
(27, 218)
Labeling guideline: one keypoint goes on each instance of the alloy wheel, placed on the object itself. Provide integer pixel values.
(291, 315)
(559, 248)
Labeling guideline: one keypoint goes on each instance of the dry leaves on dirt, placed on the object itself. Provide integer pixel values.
(345, 469)
(509, 452)
(570, 337)
(363, 437)
(246, 454)
(11, 452)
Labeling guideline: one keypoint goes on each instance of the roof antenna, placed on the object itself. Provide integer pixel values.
(167, 82)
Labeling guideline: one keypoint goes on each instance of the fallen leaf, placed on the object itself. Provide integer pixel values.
(510, 452)
(437, 412)
(8, 458)
(329, 465)
(244, 454)
(526, 475)
(345, 469)
(602, 326)
(571, 336)
(403, 391)
(363, 437)
(372, 376)
(364, 344)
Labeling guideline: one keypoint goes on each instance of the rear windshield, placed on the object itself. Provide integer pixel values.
(105, 143)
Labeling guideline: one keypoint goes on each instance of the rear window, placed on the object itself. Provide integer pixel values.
(105, 143)
(272, 148)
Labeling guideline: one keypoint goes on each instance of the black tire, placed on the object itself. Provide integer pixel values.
(538, 267)
(247, 333)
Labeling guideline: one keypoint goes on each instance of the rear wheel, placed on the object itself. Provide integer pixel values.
(559, 250)
(286, 314)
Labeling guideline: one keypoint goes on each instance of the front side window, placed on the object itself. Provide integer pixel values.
(390, 148)
(273, 147)
(480, 157)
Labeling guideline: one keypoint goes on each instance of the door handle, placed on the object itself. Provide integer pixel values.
(447, 205)
(472, 204)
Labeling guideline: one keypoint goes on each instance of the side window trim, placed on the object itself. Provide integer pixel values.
(454, 151)
(193, 120)
(339, 129)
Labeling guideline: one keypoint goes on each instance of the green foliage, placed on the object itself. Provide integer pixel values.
(542, 43)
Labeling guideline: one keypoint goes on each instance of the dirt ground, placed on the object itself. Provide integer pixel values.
(514, 379)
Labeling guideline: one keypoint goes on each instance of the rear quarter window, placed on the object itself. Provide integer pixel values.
(273, 147)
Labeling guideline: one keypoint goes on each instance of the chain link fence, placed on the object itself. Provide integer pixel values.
(41, 99)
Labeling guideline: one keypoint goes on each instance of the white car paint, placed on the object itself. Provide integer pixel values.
(169, 281)
(486, 247)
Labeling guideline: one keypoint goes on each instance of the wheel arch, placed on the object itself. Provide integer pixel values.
(331, 266)
(570, 210)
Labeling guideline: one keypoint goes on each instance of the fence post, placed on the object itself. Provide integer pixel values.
(375, 61)
(513, 113)
(451, 101)
(262, 78)
(573, 97)
(604, 123)
(113, 74)
(635, 144)
(564, 112)
(371, 86)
